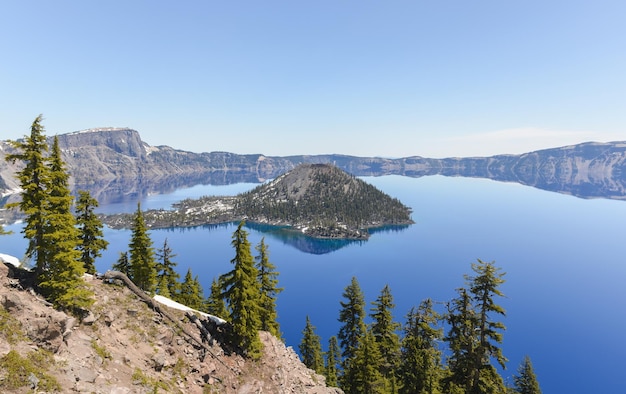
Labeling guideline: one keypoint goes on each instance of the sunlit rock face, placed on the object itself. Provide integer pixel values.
(113, 162)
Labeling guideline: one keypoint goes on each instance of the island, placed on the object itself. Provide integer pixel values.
(320, 200)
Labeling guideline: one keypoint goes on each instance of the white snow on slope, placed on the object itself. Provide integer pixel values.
(176, 305)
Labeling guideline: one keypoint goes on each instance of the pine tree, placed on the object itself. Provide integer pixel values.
(62, 282)
(34, 181)
(311, 348)
(215, 302)
(350, 333)
(351, 315)
(332, 362)
(364, 371)
(242, 293)
(385, 330)
(526, 381)
(420, 366)
(91, 236)
(123, 264)
(142, 263)
(473, 335)
(191, 293)
(166, 273)
(268, 282)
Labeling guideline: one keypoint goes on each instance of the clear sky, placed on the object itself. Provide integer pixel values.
(432, 78)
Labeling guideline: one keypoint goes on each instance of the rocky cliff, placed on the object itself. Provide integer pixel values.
(114, 162)
(126, 346)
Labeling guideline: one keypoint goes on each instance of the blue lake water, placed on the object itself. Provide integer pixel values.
(563, 257)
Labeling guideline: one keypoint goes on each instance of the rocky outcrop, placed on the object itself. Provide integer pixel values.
(126, 346)
(115, 162)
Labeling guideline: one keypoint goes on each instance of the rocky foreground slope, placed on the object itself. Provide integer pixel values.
(124, 346)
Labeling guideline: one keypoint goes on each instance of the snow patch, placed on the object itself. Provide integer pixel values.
(8, 259)
(176, 305)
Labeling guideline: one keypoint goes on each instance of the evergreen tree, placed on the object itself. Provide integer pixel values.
(364, 371)
(351, 315)
(142, 263)
(526, 381)
(91, 237)
(62, 282)
(123, 264)
(268, 282)
(311, 348)
(166, 273)
(351, 331)
(385, 330)
(473, 335)
(162, 288)
(191, 293)
(332, 361)
(420, 366)
(242, 294)
(215, 302)
(34, 181)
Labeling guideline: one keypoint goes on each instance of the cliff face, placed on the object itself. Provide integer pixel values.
(124, 346)
(115, 162)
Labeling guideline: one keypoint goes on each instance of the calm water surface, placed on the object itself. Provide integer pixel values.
(563, 258)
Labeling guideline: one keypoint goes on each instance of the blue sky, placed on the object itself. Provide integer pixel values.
(367, 78)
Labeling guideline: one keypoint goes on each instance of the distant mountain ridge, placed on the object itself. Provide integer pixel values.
(114, 162)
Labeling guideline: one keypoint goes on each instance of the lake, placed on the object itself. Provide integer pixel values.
(563, 257)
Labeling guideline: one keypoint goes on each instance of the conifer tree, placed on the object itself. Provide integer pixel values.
(242, 293)
(363, 375)
(191, 293)
(123, 264)
(420, 366)
(91, 236)
(311, 348)
(215, 302)
(332, 362)
(268, 283)
(474, 335)
(62, 282)
(384, 330)
(34, 181)
(166, 272)
(142, 263)
(526, 381)
(351, 315)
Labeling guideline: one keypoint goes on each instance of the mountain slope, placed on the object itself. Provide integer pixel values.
(126, 347)
(113, 163)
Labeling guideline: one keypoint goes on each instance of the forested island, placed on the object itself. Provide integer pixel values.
(320, 200)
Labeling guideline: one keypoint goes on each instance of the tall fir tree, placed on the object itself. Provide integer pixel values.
(167, 277)
(62, 282)
(420, 362)
(333, 359)
(142, 262)
(268, 283)
(123, 264)
(385, 332)
(191, 293)
(90, 226)
(525, 380)
(34, 180)
(474, 335)
(352, 316)
(363, 375)
(215, 302)
(242, 294)
(311, 348)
